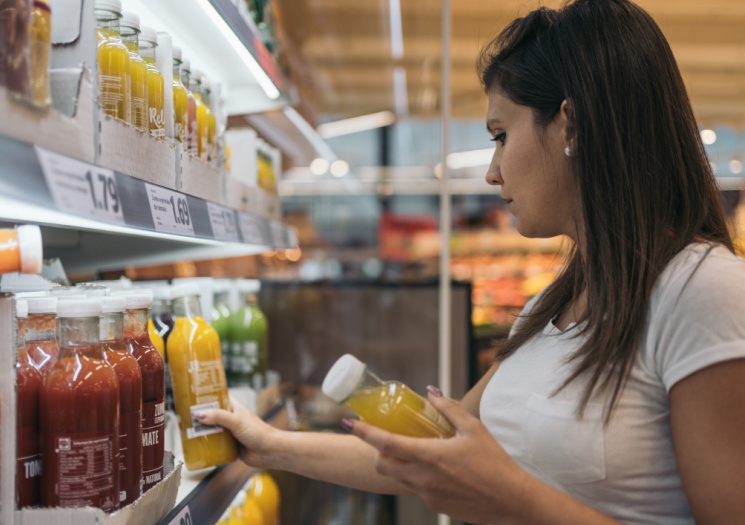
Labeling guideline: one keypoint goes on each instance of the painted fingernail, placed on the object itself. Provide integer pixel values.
(200, 414)
(434, 391)
(347, 424)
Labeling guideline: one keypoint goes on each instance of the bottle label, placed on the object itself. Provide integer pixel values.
(29, 466)
(130, 456)
(84, 468)
(111, 92)
(245, 357)
(153, 422)
(199, 429)
(139, 113)
(157, 123)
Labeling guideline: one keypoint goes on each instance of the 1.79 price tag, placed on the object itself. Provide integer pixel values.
(80, 187)
(223, 222)
(170, 210)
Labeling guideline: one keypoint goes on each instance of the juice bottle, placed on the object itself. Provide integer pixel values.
(41, 336)
(138, 98)
(227, 158)
(221, 314)
(195, 86)
(113, 61)
(389, 405)
(40, 40)
(138, 342)
(180, 101)
(162, 318)
(20, 249)
(198, 376)
(28, 384)
(263, 490)
(130, 397)
(80, 415)
(248, 332)
(156, 339)
(211, 120)
(191, 104)
(155, 84)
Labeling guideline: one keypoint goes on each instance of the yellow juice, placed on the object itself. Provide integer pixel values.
(156, 339)
(137, 88)
(202, 143)
(40, 41)
(211, 132)
(180, 111)
(396, 408)
(156, 100)
(113, 74)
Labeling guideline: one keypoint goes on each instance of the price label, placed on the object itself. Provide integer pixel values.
(80, 187)
(182, 518)
(223, 222)
(253, 229)
(170, 210)
(279, 235)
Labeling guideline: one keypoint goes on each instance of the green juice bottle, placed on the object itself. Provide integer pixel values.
(248, 340)
(221, 314)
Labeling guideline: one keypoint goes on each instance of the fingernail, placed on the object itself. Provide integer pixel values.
(347, 424)
(434, 391)
(200, 414)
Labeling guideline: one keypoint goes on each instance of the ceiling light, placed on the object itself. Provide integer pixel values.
(397, 37)
(319, 166)
(400, 93)
(735, 166)
(469, 159)
(339, 168)
(356, 124)
(708, 136)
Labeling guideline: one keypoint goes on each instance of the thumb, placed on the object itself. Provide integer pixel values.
(458, 416)
(218, 416)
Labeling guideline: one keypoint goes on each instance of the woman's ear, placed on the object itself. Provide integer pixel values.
(566, 122)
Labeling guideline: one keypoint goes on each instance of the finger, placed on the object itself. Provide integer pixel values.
(218, 416)
(392, 445)
(458, 416)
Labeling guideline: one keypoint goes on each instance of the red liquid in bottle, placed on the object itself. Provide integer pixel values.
(28, 383)
(42, 354)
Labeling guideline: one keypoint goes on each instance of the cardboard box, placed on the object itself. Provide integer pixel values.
(198, 178)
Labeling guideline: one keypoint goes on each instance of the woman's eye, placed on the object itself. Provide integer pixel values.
(499, 137)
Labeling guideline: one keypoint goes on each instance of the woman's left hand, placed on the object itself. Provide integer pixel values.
(468, 476)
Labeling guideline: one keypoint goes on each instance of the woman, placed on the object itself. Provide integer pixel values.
(619, 395)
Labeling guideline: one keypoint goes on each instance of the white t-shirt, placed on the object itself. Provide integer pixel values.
(626, 470)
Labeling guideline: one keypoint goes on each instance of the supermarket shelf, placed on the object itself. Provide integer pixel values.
(207, 502)
(85, 236)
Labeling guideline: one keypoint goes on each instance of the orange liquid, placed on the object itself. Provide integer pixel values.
(180, 111)
(10, 253)
(198, 377)
(40, 40)
(211, 131)
(113, 74)
(202, 141)
(138, 88)
(192, 136)
(156, 100)
(156, 339)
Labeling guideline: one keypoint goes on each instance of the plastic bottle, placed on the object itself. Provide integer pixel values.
(248, 333)
(28, 452)
(191, 104)
(155, 84)
(161, 315)
(20, 249)
(138, 98)
(80, 415)
(389, 405)
(195, 86)
(180, 101)
(41, 336)
(211, 120)
(156, 339)
(113, 61)
(129, 376)
(40, 40)
(138, 342)
(193, 350)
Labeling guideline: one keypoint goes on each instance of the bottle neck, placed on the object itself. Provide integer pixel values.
(147, 51)
(130, 38)
(187, 307)
(206, 97)
(40, 327)
(159, 307)
(135, 323)
(176, 69)
(251, 299)
(78, 331)
(194, 87)
(112, 327)
(185, 78)
(368, 381)
(221, 299)
(107, 20)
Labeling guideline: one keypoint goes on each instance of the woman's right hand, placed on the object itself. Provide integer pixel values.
(253, 435)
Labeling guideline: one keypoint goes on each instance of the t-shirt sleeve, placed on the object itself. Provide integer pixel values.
(700, 317)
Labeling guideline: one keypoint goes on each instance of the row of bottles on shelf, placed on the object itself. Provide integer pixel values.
(258, 504)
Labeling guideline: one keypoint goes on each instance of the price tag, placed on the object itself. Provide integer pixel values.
(223, 222)
(279, 234)
(170, 210)
(253, 229)
(80, 187)
(182, 518)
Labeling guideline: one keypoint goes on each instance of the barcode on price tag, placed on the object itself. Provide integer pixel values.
(182, 518)
(170, 210)
(253, 230)
(80, 187)
(223, 223)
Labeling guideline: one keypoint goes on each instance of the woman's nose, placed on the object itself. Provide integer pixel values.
(493, 177)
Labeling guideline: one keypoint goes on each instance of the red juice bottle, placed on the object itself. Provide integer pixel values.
(128, 373)
(80, 415)
(137, 339)
(41, 337)
(28, 453)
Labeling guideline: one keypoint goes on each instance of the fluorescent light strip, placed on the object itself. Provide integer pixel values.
(400, 93)
(397, 38)
(262, 78)
(308, 132)
(468, 159)
(356, 124)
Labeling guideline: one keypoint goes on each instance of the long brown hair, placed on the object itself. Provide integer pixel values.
(646, 187)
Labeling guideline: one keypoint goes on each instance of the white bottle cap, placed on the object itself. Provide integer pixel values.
(162, 293)
(249, 286)
(111, 5)
(185, 290)
(137, 301)
(196, 75)
(63, 291)
(21, 308)
(29, 244)
(130, 19)
(149, 34)
(206, 86)
(89, 307)
(342, 379)
(186, 65)
(176, 53)
(113, 304)
(42, 305)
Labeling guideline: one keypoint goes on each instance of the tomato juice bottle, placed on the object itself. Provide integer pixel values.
(180, 101)
(155, 84)
(79, 413)
(193, 350)
(40, 332)
(113, 61)
(129, 376)
(28, 384)
(137, 339)
(138, 98)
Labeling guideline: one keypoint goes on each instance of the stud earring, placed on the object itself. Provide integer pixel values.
(568, 151)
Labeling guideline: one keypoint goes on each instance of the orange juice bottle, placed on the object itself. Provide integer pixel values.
(180, 101)
(138, 99)
(156, 339)
(191, 132)
(198, 378)
(155, 84)
(389, 405)
(40, 40)
(113, 61)
(195, 86)
(211, 120)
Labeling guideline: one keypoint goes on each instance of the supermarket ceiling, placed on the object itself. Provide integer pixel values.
(349, 57)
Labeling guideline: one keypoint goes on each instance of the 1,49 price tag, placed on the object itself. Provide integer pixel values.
(80, 187)
(170, 210)
(223, 223)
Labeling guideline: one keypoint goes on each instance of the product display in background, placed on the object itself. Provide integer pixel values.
(247, 332)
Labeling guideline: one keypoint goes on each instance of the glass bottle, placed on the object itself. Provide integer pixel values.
(195, 86)
(211, 120)
(248, 331)
(41, 332)
(113, 61)
(138, 98)
(40, 40)
(389, 405)
(155, 84)
(191, 104)
(198, 376)
(161, 316)
(221, 315)
(129, 376)
(180, 101)
(80, 415)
